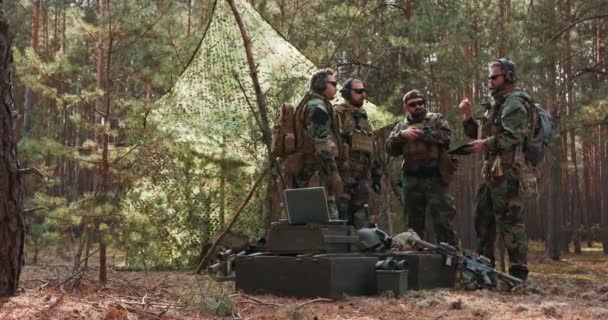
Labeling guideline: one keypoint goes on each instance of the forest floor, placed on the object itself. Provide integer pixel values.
(575, 287)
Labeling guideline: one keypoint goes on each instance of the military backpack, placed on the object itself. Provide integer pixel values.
(541, 130)
(289, 133)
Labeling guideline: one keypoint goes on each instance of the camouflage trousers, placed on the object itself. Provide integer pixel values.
(432, 194)
(352, 203)
(498, 209)
(311, 175)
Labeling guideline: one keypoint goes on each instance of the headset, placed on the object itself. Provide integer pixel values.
(507, 65)
(346, 88)
(318, 81)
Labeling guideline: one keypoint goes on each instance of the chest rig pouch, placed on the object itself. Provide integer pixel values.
(419, 151)
(363, 141)
(355, 130)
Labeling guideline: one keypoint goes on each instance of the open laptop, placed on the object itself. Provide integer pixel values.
(306, 205)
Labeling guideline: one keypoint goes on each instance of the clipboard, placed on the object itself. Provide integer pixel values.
(461, 150)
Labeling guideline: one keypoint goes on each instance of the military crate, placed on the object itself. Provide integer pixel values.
(311, 238)
(427, 270)
(329, 276)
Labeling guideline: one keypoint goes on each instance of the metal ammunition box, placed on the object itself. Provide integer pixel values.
(330, 276)
(311, 238)
(392, 280)
(428, 270)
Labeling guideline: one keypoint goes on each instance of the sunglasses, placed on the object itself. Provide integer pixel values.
(415, 103)
(333, 83)
(359, 91)
(494, 77)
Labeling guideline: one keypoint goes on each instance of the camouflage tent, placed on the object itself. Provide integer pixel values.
(210, 112)
(208, 105)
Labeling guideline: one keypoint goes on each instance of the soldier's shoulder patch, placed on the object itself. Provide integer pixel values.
(319, 115)
(317, 104)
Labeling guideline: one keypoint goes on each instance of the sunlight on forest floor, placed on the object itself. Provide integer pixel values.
(575, 287)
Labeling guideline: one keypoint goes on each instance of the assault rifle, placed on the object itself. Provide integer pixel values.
(477, 271)
(224, 267)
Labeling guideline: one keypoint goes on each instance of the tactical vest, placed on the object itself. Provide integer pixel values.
(355, 132)
(420, 153)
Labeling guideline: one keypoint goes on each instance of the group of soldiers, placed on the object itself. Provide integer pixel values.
(340, 157)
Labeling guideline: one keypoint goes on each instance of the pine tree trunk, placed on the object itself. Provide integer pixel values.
(103, 82)
(12, 230)
(554, 237)
(587, 196)
(602, 186)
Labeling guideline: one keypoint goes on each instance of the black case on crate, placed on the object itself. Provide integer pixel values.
(311, 238)
(328, 275)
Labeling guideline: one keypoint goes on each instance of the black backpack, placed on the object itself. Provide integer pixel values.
(541, 130)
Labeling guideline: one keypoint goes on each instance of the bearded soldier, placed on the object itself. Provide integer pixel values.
(423, 139)
(498, 207)
(355, 162)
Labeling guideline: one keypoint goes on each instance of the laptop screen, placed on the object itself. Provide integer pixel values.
(306, 205)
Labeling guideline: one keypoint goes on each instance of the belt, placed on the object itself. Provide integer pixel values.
(423, 172)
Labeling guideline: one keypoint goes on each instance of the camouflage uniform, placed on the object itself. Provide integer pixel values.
(355, 163)
(423, 186)
(319, 166)
(498, 205)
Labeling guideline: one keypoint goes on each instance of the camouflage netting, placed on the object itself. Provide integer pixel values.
(207, 102)
(206, 117)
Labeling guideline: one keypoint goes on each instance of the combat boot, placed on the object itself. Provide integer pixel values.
(519, 271)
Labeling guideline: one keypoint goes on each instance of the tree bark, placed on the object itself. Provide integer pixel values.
(12, 230)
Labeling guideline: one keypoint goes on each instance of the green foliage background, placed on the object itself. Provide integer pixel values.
(186, 146)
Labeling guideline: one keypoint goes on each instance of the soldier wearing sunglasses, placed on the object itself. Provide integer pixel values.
(318, 146)
(423, 139)
(498, 205)
(355, 163)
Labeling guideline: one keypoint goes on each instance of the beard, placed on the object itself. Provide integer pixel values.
(357, 104)
(419, 114)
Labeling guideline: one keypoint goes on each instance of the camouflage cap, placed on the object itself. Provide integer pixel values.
(413, 94)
